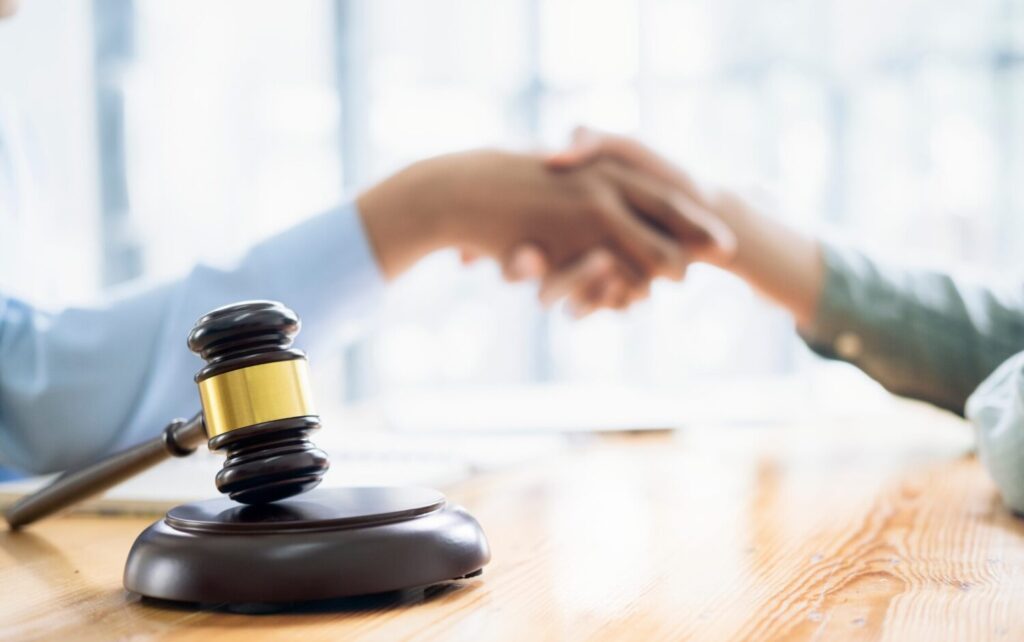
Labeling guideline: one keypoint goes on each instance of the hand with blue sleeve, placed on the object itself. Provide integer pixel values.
(78, 383)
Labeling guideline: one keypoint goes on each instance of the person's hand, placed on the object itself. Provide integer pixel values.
(781, 263)
(489, 202)
(699, 228)
(599, 280)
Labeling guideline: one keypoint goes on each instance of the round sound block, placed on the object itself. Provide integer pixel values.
(324, 544)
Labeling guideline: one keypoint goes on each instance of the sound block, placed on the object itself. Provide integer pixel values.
(324, 544)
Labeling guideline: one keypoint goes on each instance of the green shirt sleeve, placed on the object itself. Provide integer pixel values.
(920, 333)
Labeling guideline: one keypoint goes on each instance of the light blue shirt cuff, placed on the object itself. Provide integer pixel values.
(81, 382)
(323, 268)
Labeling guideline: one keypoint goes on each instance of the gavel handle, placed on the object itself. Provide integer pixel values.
(178, 439)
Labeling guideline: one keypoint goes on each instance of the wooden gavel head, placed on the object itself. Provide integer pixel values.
(256, 401)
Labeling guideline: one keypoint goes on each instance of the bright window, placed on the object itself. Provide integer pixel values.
(896, 121)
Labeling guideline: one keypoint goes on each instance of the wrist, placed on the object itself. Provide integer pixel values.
(737, 217)
(405, 218)
(780, 262)
(458, 192)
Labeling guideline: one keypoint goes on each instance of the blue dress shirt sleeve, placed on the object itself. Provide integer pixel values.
(80, 382)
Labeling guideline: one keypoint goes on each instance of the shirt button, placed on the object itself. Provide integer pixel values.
(848, 345)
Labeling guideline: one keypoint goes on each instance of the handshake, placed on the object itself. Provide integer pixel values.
(595, 223)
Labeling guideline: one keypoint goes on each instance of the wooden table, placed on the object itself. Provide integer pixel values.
(840, 529)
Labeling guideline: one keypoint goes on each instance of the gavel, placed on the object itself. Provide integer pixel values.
(260, 544)
(256, 407)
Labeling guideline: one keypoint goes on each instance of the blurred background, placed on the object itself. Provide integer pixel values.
(148, 135)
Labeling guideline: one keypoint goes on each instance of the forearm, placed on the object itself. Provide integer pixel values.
(920, 333)
(486, 201)
(405, 217)
(80, 382)
(781, 263)
(69, 380)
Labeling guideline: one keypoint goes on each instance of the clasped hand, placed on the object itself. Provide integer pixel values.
(596, 223)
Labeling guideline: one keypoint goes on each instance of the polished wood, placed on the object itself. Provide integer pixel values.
(863, 528)
(327, 544)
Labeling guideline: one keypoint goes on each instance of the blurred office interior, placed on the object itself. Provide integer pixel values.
(155, 134)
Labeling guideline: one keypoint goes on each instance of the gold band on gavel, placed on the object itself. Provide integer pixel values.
(253, 395)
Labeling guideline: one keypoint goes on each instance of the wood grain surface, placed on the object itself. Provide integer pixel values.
(876, 528)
